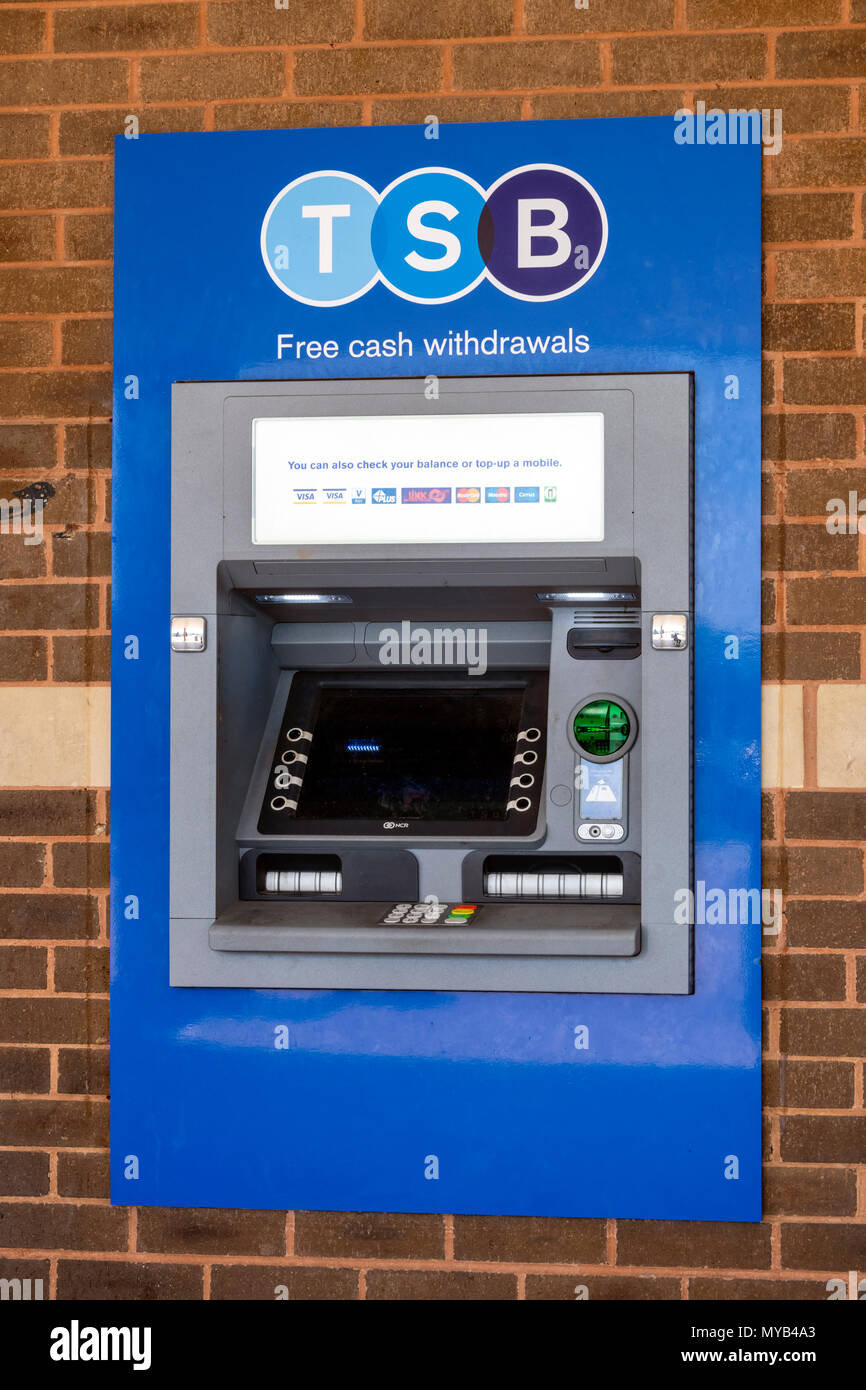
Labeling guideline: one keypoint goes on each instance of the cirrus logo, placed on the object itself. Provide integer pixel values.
(538, 233)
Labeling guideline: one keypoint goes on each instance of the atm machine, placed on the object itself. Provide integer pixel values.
(431, 684)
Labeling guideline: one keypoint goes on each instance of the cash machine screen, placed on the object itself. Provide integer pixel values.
(409, 753)
(426, 756)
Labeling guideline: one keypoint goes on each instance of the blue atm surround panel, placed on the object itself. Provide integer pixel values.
(597, 247)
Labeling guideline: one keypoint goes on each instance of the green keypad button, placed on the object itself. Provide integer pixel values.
(601, 728)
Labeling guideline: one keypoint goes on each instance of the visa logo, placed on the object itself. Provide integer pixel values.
(358, 496)
(335, 494)
(304, 495)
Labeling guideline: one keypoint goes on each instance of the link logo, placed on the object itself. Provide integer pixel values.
(538, 233)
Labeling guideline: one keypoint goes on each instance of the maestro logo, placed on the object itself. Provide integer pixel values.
(538, 233)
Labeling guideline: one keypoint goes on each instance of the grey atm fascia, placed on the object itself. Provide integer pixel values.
(226, 700)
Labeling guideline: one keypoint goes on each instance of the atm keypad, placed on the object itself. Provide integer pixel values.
(433, 914)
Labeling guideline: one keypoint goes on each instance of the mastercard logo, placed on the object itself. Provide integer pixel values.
(469, 494)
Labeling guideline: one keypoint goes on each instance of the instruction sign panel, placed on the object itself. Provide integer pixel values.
(410, 478)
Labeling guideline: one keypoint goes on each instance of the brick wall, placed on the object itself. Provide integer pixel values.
(70, 76)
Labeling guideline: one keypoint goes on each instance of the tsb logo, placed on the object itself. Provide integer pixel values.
(538, 233)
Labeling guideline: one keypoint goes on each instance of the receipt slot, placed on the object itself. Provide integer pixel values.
(431, 684)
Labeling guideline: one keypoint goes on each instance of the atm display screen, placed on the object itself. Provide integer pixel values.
(383, 753)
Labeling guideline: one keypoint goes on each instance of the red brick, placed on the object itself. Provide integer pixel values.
(798, 547)
(414, 110)
(117, 28)
(682, 58)
(722, 1244)
(83, 1071)
(60, 394)
(46, 1020)
(808, 216)
(790, 1190)
(88, 446)
(26, 238)
(825, 380)
(809, 327)
(826, 923)
(87, 554)
(83, 970)
(525, 64)
(831, 53)
(93, 131)
(126, 1280)
(616, 17)
(25, 1070)
(89, 237)
(52, 812)
(25, 344)
(24, 135)
(524, 1239)
(809, 491)
(833, 162)
(811, 1032)
(433, 1285)
(49, 606)
(86, 341)
(64, 81)
(744, 1289)
(364, 71)
(283, 115)
(246, 23)
(21, 865)
(561, 106)
(809, 1085)
(80, 864)
(825, 815)
(21, 31)
(812, 602)
(835, 1247)
(261, 1282)
(212, 76)
(626, 1288)
(62, 1226)
(23, 659)
(23, 967)
(810, 656)
(210, 1231)
(23, 1174)
(821, 272)
(18, 560)
(806, 109)
(83, 1174)
(82, 659)
(795, 437)
(64, 1123)
(47, 916)
(770, 14)
(816, 977)
(448, 19)
(378, 1235)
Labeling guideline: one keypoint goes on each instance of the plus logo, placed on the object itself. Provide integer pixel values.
(538, 233)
